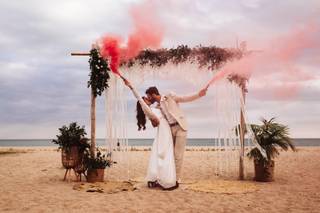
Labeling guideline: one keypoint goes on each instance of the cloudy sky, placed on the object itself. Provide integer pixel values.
(42, 87)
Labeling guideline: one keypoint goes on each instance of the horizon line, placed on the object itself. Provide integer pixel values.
(129, 138)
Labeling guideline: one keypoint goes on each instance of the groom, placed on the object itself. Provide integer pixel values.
(169, 106)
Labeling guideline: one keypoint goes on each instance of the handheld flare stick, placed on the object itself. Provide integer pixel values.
(216, 77)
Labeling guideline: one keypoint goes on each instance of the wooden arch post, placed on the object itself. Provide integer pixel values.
(92, 114)
(93, 124)
(242, 139)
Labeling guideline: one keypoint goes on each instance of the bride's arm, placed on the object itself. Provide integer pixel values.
(146, 109)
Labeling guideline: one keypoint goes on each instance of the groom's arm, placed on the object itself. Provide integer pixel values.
(189, 98)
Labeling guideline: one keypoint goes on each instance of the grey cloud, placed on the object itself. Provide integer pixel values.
(43, 87)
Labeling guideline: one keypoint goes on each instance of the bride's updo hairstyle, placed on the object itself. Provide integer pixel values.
(141, 117)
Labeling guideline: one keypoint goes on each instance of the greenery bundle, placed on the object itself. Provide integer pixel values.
(99, 74)
(240, 81)
(72, 135)
(98, 162)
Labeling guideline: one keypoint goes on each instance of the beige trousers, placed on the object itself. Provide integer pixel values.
(179, 141)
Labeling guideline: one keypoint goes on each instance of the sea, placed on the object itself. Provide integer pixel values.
(141, 142)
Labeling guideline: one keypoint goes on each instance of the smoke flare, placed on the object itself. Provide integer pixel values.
(147, 33)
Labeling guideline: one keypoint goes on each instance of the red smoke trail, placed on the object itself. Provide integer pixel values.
(276, 67)
(147, 33)
(110, 48)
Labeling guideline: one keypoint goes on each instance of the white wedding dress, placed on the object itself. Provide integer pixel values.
(161, 163)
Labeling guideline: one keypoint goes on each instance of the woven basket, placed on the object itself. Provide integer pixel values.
(70, 158)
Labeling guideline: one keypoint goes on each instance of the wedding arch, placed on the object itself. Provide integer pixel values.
(230, 138)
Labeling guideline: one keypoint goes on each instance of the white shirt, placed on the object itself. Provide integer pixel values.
(166, 113)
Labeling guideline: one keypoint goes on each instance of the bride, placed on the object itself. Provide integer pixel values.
(161, 170)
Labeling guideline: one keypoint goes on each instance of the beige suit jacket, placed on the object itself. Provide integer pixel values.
(172, 104)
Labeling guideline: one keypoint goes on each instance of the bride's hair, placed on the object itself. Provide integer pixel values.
(141, 118)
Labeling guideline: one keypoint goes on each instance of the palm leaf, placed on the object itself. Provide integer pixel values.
(271, 135)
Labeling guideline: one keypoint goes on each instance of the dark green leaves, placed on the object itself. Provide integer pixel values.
(98, 162)
(72, 135)
(99, 74)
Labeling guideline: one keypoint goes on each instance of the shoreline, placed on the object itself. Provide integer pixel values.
(146, 142)
(137, 148)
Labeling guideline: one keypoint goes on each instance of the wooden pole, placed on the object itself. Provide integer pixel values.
(242, 141)
(80, 54)
(93, 124)
(92, 114)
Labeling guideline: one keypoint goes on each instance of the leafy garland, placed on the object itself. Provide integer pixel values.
(210, 57)
(99, 74)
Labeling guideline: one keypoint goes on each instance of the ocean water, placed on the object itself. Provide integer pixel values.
(143, 142)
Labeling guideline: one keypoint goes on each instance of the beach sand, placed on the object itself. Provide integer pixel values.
(31, 181)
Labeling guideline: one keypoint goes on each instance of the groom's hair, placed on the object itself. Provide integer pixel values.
(152, 90)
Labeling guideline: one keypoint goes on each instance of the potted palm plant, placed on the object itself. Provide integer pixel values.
(271, 136)
(96, 165)
(73, 143)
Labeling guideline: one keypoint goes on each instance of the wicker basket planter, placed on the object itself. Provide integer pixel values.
(70, 157)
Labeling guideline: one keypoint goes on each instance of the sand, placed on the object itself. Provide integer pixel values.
(31, 181)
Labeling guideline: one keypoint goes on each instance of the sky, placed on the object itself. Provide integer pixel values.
(42, 87)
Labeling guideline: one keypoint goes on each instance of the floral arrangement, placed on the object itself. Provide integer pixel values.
(241, 81)
(211, 57)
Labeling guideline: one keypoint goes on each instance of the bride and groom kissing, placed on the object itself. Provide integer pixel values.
(168, 148)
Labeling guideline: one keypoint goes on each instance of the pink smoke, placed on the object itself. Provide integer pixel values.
(276, 65)
(147, 33)
(111, 48)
